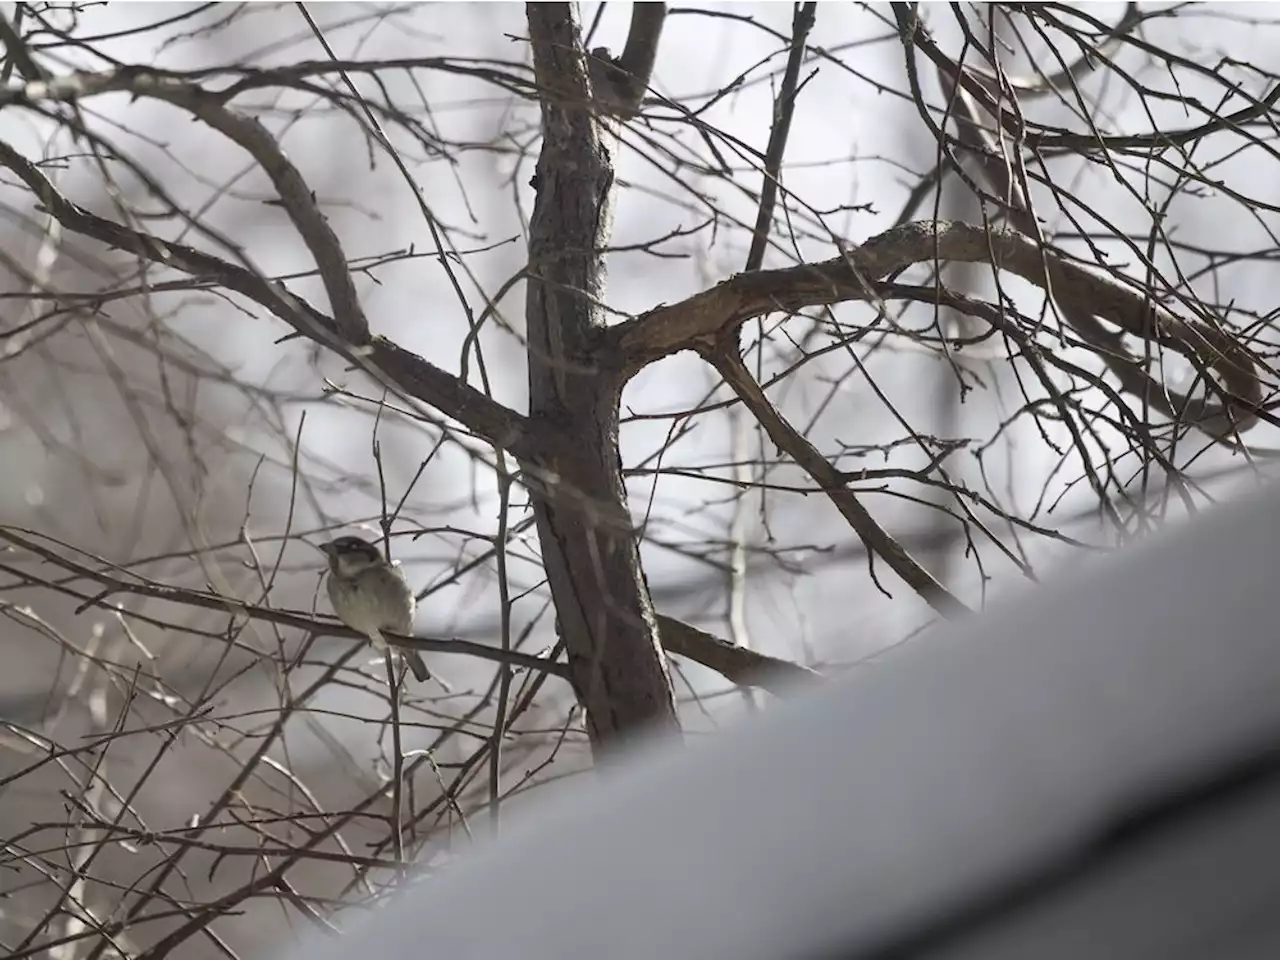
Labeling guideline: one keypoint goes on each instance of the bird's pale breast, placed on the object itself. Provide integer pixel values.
(376, 598)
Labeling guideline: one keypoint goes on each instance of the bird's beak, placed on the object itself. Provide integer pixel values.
(326, 548)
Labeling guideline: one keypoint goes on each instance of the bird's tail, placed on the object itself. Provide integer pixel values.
(416, 666)
(411, 657)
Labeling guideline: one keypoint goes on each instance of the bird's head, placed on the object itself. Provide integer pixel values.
(348, 556)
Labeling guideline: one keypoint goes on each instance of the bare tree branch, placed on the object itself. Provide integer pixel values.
(1039, 136)
(621, 83)
(233, 605)
(784, 108)
(737, 664)
(878, 540)
(16, 51)
(295, 196)
(1203, 342)
(406, 372)
(696, 322)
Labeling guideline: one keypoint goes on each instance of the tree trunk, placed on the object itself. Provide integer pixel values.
(602, 601)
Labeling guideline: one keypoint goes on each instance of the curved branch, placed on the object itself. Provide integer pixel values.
(1078, 68)
(736, 664)
(1199, 341)
(403, 371)
(295, 196)
(1042, 136)
(697, 322)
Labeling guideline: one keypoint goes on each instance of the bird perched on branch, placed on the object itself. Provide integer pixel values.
(370, 595)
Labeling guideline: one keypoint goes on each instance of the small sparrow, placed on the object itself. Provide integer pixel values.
(370, 595)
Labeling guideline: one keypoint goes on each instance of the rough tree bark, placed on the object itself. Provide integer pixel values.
(604, 610)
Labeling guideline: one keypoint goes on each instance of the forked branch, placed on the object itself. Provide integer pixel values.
(1209, 347)
(404, 372)
(1085, 295)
